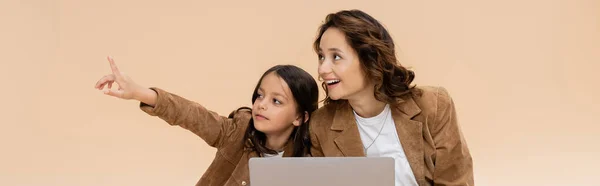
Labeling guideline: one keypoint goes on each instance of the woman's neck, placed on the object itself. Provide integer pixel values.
(366, 105)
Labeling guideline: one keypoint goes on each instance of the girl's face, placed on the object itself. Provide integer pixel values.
(275, 110)
(340, 68)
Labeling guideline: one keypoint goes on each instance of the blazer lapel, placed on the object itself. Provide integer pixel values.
(348, 141)
(410, 133)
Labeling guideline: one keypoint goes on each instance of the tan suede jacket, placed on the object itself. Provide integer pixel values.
(230, 166)
(428, 129)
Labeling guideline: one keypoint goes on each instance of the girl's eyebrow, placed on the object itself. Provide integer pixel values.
(275, 94)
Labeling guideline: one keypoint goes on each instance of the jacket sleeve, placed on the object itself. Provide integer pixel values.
(453, 163)
(208, 125)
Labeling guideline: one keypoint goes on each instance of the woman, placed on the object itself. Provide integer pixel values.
(276, 126)
(372, 110)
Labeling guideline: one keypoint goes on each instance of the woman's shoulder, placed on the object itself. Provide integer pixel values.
(430, 92)
(327, 111)
(432, 98)
(322, 118)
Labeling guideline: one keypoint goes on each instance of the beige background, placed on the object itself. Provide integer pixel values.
(523, 75)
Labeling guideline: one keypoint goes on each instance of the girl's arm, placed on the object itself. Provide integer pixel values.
(209, 125)
(174, 109)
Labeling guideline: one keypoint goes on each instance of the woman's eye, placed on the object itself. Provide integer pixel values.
(336, 57)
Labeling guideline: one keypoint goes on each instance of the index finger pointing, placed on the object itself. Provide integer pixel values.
(113, 66)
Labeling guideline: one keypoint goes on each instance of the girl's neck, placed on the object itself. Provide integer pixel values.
(278, 142)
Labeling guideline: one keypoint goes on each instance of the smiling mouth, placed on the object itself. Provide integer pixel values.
(332, 82)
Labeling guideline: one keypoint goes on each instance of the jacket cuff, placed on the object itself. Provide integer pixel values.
(159, 107)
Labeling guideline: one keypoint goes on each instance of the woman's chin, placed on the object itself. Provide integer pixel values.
(335, 97)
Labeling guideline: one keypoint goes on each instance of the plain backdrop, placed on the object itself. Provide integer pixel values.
(523, 75)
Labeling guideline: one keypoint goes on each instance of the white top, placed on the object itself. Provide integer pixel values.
(278, 155)
(380, 139)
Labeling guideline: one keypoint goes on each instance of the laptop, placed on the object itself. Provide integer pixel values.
(322, 171)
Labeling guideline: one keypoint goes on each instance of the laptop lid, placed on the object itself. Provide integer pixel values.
(322, 171)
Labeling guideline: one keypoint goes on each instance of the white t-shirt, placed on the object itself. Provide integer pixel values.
(278, 155)
(386, 145)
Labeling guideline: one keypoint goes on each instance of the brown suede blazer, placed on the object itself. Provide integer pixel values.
(428, 129)
(230, 166)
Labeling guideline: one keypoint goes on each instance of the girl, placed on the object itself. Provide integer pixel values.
(276, 126)
(372, 110)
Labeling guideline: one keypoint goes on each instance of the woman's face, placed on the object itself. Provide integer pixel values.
(340, 68)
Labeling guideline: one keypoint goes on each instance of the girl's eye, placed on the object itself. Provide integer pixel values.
(276, 102)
